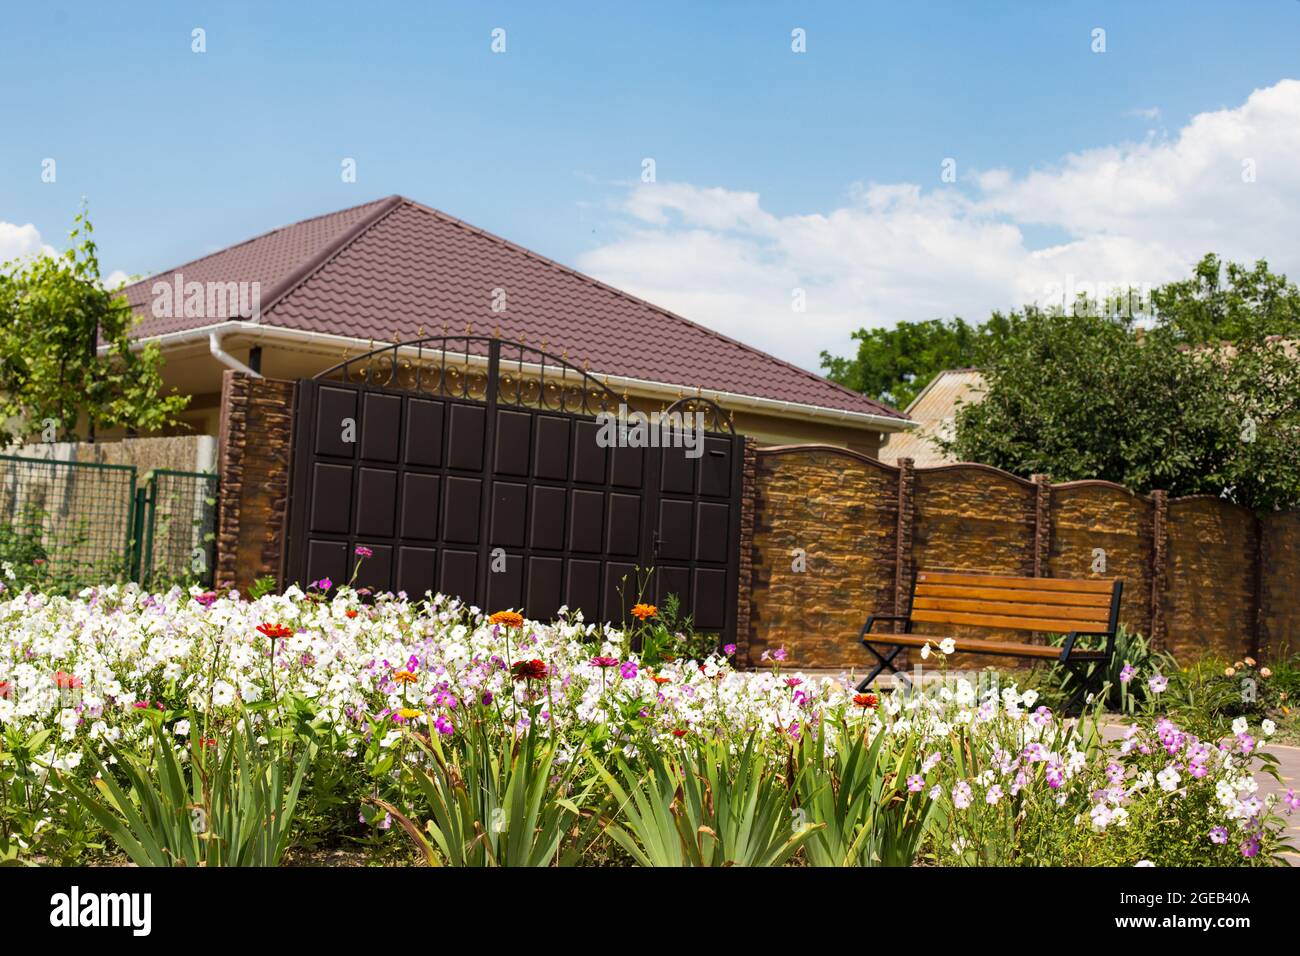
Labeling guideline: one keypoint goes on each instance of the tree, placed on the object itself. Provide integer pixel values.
(1246, 305)
(1082, 395)
(893, 365)
(54, 315)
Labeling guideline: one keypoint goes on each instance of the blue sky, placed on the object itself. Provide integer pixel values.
(181, 153)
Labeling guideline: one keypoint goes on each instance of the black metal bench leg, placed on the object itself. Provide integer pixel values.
(1074, 706)
(884, 662)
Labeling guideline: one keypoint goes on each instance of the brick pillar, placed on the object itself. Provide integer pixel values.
(745, 583)
(1159, 565)
(903, 561)
(256, 426)
(1042, 524)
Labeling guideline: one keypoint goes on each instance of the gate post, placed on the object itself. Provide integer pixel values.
(135, 553)
(489, 452)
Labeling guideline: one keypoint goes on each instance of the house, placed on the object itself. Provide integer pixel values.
(934, 410)
(292, 302)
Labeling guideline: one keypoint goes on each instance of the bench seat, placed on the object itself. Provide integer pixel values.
(974, 645)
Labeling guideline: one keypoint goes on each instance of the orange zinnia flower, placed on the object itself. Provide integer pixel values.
(351, 613)
(507, 619)
(867, 701)
(66, 681)
(404, 677)
(643, 611)
(275, 630)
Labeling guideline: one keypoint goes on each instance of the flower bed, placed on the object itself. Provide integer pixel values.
(387, 705)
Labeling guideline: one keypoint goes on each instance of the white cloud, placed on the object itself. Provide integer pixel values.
(20, 241)
(1134, 213)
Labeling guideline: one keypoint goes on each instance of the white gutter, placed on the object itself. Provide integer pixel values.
(225, 358)
(350, 344)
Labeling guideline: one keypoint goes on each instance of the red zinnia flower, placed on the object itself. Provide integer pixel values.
(605, 661)
(866, 700)
(274, 631)
(65, 681)
(679, 731)
(529, 670)
(350, 613)
(6, 689)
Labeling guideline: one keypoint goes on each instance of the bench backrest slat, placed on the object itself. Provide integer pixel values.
(1019, 603)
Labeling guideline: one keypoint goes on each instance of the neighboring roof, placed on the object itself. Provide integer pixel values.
(386, 269)
(933, 409)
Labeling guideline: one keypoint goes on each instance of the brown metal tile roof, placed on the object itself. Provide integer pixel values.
(385, 269)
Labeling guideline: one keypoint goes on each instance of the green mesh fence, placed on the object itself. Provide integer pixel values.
(65, 525)
(180, 537)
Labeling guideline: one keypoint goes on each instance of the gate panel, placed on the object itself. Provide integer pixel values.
(469, 466)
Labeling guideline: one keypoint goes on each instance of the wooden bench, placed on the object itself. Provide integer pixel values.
(1052, 605)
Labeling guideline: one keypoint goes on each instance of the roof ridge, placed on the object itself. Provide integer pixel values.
(314, 264)
(650, 305)
(251, 239)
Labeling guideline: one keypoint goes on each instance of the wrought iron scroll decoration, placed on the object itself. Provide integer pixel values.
(716, 418)
(460, 366)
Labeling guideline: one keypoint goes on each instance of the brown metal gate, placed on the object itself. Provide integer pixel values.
(472, 466)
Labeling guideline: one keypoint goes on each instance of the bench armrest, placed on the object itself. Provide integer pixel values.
(872, 619)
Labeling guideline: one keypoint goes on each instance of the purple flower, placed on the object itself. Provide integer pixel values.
(1247, 742)
(362, 551)
(1219, 835)
(779, 654)
(729, 649)
(1158, 684)
(1291, 800)
(323, 584)
(443, 725)
(1250, 847)
(1055, 775)
(1127, 673)
(915, 783)
(628, 670)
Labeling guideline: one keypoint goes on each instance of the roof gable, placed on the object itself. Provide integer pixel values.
(389, 269)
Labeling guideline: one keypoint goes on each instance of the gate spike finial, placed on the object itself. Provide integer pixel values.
(469, 328)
